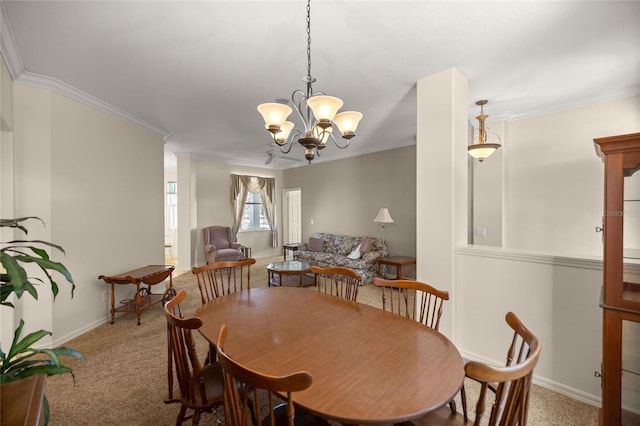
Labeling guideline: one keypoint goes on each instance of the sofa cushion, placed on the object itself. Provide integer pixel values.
(355, 254)
(365, 245)
(315, 244)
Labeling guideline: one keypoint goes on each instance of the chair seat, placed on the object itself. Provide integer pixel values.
(228, 254)
(213, 385)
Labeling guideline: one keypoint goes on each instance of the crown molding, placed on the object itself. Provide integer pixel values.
(87, 99)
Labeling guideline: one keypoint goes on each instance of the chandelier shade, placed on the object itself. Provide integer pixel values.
(317, 111)
(274, 115)
(324, 107)
(347, 122)
(481, 149)
(285, 129)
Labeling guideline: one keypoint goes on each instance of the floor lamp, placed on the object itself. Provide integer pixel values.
(383, 217)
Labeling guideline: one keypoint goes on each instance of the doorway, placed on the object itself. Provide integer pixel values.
(171, 222)
(292, 219)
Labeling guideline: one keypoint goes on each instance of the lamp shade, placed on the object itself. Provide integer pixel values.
(285, 129)
(347, 121)
(480, 151)
(383, 216)
(274, 115)
(324, 107)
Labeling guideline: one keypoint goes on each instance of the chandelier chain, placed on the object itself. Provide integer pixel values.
(317, 111)
(309, 38)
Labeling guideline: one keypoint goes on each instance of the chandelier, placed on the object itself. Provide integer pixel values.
(482, 149)
(317, 111)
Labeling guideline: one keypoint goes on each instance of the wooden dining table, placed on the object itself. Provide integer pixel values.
(367, 365)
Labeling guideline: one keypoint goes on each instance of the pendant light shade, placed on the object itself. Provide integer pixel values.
(481, 149)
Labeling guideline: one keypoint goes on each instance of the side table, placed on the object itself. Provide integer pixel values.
(398, 262)
(292, 247)
(246, 252)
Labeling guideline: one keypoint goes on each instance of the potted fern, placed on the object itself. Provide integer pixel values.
(22, 359)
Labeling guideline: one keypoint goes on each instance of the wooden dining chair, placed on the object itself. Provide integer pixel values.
(220, 278)
(399, 297)
(199, 388)
(510, 384)
(273, 393)
(337, 281)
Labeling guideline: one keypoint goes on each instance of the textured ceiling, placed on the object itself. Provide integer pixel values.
(195, 71)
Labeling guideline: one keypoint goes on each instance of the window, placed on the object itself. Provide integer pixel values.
(171, 221)
(253, 217)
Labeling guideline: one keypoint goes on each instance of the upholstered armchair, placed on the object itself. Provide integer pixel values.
(219, 246)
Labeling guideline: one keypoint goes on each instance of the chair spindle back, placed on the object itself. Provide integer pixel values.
(220, 278)
(337, 281)
(399, 297)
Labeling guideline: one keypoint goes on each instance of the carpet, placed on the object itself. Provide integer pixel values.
(123, 380)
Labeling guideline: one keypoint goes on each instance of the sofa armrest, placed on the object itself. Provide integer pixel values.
(236, 246)
(372, 256)
(209, 248)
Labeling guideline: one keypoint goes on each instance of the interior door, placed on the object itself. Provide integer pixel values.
(294, 215)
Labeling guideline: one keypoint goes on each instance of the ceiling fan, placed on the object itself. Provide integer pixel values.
(271, 154)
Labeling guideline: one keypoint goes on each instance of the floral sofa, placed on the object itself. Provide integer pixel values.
(336, 250)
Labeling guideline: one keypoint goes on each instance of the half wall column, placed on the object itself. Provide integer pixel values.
(441, 181)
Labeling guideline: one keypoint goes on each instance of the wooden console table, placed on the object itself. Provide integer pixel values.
(398, 262)
(144, 299)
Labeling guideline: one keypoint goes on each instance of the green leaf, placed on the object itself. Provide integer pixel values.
(15, 223)
(16, 273)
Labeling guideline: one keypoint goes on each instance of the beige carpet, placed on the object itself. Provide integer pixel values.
(123, 380)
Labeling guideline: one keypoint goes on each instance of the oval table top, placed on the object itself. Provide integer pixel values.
(368, 365)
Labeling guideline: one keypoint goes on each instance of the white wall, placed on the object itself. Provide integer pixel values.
(557, 299)
(555, 180)
(114, 171)
(550, 200)
(549, 271)
(96, 181)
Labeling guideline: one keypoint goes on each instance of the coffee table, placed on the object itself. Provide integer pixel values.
(290, 273)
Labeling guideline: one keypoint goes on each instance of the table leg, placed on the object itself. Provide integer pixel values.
(137, 301)
(399, 272)
(113, 303)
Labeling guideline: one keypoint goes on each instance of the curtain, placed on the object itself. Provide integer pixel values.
(241, 185)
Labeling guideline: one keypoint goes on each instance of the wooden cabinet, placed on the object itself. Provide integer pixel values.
(621, 280)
